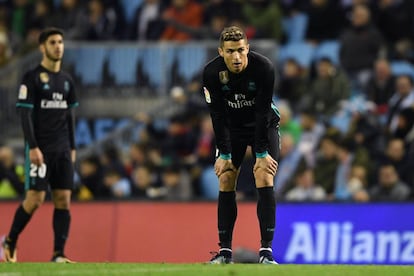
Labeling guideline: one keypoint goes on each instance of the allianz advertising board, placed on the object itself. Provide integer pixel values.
(345, 233)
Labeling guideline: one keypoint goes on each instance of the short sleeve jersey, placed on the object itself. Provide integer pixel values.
(241, 103)
(50, 95)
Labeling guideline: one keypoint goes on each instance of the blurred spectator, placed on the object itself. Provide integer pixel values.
(305, 188)
(312, 131)
(396, 154)
(293, 84)
(348, 157)
(11, 174)
(287, 123)
(181, 12)
(143, 179)
(365, 131)
(381, 85)
(357, 183)
(265, 16)
(176, 183)
(147, 24)
(325, 20)
(402, 98)
(137, 155)
(119, 185)
(101, 21)
(111, 160)
(42, 15)
(389, 186)
(394, 18)
(361, 45)
(330, 87)
(5, 49)
(20, 14)
(290, 160)
(326, 162)
(71, 17)
(405, 128)
(91, 179)
(230, 8)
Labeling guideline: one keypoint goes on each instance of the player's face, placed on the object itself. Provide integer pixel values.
(53, 48)
(235, 55)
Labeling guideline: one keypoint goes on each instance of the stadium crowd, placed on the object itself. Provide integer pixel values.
(347, 128)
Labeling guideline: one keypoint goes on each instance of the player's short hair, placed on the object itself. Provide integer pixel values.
(44, 35)
(232, 33)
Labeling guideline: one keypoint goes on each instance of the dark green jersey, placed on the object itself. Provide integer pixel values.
(50, 96)
(241, 103)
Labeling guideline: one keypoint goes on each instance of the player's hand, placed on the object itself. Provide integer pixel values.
(73, 155)
(267, 163)
(223, 165)
(36, 156)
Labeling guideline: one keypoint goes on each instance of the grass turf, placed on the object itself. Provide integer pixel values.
(198, 269)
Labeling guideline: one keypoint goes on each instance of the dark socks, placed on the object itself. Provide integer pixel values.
(227, 213)
(21, 219)
(61, 223)
(266, 211)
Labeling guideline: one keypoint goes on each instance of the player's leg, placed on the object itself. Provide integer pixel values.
(62, 185)
(266, 204)
(36, 185)
(33, 200)
(227, 206)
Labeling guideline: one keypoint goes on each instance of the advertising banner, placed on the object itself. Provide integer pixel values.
(344, 234)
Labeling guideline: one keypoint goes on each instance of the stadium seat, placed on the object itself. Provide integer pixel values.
(191, 60)
(156, 60)
(402, 68)
(89, 64)
(327, 49)
(302, 52)
(129, 7)
(295, 27)
(122, 64)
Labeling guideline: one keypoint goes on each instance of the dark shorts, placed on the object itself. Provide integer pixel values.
(56, 172)
(240, 141)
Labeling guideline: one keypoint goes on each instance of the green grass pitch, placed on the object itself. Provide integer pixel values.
(18, 269)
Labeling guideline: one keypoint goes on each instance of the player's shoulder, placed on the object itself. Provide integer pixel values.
(260, 60)
(213, 66)
(32, 72)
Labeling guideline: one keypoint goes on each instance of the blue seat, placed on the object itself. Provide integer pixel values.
(328, 49)
(402, 68)
(301, 52)
(295, 27)
(156, 61)
(122, 64)
(89, 64)
(129, 7)
(191, 60)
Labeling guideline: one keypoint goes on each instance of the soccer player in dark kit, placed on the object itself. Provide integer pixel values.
(238, 88)
(45, 100)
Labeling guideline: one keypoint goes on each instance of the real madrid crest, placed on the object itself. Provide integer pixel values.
(224, 76)
(44, 77)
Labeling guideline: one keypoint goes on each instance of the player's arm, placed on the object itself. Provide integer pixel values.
(71, 118)
(35, 155)
(25, 105)
(215, 102)
(71, 126)
(265, 167)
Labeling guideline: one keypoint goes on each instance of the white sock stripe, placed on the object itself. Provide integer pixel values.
(226, 249)
(266, 248)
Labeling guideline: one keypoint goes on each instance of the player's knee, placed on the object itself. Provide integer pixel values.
(227, 181)
(31, 203)
(61, 199)
(263, 178)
